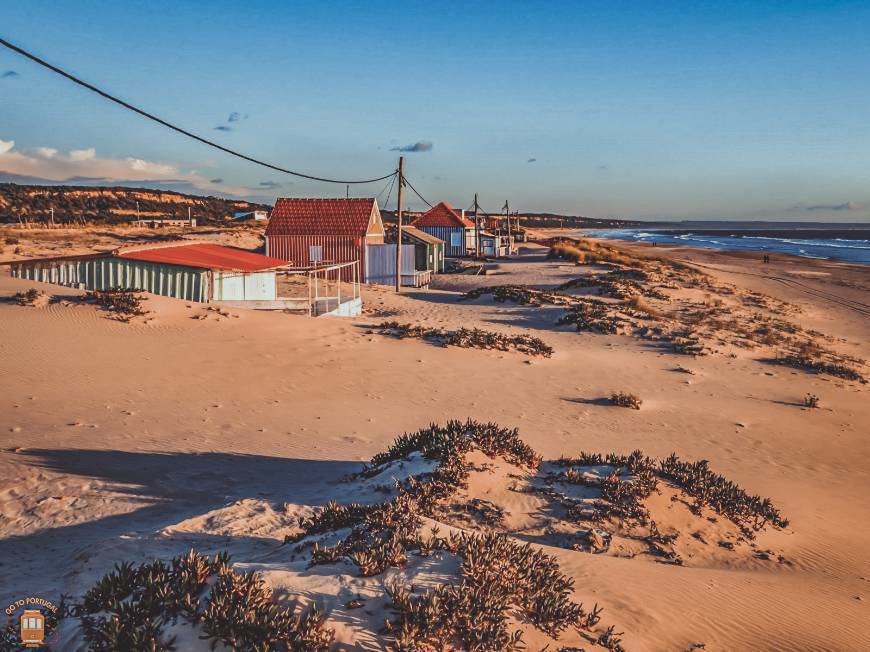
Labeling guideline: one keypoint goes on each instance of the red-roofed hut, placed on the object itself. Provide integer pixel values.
(310, 232)
(445, 223)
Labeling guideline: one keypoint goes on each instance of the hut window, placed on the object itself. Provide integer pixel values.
(455, 239)
(315, 253)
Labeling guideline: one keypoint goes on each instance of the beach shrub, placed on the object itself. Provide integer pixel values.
(130, 608)
(584, 252)
(818, 365)
(626, 400)
(475, 338)
(444, 443)
(592, 315)
(811, 401)
(28, 298)
(497, 576)
(521, 294)
(637, 304)
(123, 303)
(748, 511)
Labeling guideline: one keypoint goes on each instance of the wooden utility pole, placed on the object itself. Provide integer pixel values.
(507, 214)
(399, 225)
(476, 228)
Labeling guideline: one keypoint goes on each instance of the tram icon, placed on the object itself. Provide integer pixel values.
(32, 628)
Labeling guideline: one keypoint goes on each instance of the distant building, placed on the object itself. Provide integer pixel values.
(310, 232)
(251, 215)
(161, 222)
(445, 223)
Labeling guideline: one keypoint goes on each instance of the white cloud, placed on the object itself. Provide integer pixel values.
(83, 154)
(50, 164)
(45, 152)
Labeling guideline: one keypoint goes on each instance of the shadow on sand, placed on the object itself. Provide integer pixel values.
(170, 487)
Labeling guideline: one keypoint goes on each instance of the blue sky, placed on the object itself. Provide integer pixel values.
(610, 109)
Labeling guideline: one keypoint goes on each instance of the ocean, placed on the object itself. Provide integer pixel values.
(822, 244)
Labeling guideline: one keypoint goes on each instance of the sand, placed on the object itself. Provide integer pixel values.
(141, 440)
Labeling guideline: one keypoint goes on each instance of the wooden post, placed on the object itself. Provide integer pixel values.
(476, 229)
(399, 225)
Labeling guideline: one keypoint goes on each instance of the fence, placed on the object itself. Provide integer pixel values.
(322, 289)
(380, 266)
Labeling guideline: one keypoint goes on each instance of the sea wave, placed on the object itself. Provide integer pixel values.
(843, 249)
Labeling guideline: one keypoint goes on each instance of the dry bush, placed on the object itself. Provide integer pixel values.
(811, 401)
(29, 298)
(626, 400)
(816, 363)
(521, 294)
(637, 303)
(470, 338)
(123, 303)
(594, 315)
(584, 252)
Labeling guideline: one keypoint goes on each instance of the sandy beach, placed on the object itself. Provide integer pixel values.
(196, 429)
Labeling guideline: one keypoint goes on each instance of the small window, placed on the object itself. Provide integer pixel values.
(315, 253)
(455, 239)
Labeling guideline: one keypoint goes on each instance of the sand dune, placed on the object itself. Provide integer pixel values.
(130, 441)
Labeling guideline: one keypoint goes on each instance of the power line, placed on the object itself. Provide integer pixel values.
(389, 192)
(153, 117)
(417, 193)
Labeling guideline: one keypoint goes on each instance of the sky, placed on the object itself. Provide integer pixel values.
(642, 110)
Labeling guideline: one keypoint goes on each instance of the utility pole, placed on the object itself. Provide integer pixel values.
(399, 225)
(347, 191)
(476, 228)
(138, 217)
(52, 215)
(507, 214)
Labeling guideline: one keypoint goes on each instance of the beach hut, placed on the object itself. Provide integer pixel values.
(183, 269)
(428, 250)
(448, 225)
(324, 231)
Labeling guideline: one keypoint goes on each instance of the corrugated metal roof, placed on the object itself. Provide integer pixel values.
(201, 255)
(421, 235)
(340, 216)
(442, 214)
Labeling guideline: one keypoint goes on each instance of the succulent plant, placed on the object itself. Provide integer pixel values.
(129, 608)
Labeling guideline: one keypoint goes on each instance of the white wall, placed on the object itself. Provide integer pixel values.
(233, 286)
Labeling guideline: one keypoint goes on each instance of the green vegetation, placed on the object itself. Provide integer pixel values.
(131, 607)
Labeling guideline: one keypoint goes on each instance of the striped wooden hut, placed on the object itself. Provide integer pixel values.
(310, 232)
(447, 224)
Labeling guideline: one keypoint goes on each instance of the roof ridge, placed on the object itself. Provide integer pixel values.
(162, 244)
